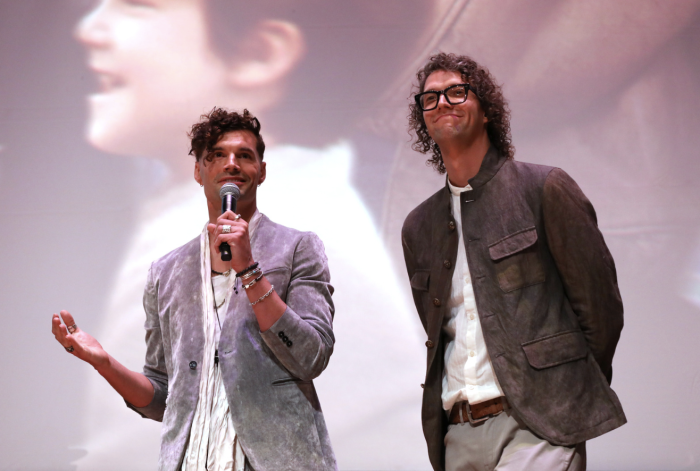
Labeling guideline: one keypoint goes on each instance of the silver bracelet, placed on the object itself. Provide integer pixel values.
(253, 282)
(261, 298)
(251, 274)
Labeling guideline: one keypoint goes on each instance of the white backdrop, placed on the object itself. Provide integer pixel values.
(95, 182)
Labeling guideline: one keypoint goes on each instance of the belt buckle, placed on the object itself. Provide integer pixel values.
(472, 420)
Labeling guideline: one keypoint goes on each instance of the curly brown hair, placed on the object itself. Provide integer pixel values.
(487, 91)
(213, 125)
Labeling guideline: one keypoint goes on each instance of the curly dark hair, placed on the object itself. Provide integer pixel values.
(213, 125)
(487, 91)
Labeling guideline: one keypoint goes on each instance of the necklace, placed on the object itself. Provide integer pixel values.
(216, 310)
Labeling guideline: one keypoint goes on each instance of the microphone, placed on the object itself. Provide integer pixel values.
(229, 194)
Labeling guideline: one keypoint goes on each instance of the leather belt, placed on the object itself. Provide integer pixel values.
(476, 413)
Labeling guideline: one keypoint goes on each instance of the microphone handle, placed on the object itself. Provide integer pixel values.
(228, 202)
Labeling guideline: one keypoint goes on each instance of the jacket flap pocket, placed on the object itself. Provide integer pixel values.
(513, 243)
(556, 349)
(420, 280)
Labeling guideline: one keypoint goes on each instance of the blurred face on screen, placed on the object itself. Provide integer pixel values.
(155, 72)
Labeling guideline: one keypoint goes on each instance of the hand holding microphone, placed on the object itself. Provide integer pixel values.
(230, 232)
(229, 194)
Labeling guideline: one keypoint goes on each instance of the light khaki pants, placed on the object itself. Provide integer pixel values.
(503, 443)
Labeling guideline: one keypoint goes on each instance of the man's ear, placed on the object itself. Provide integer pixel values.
(263, 172)
(268, 55)
(197, 175)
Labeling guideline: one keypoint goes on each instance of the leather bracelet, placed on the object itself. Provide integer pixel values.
(253, 282)
(251, 274)
(243, 272)
(262, 298)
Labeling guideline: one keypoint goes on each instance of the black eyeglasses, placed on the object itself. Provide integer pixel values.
(454, 95)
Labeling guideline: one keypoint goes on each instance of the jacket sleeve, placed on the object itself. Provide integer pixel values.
(154, 367)
(302, 339)
(586, 267)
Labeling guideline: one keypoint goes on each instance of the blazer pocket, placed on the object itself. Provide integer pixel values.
(283, 381)
(420, 280)
(420, 284)
(556, 349)
(516, 260)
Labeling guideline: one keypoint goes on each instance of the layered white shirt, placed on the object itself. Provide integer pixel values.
(469, 374)
(213, 444)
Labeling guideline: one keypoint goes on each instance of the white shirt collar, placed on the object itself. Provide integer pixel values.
(456, 190)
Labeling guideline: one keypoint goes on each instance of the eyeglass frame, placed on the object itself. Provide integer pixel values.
(466, 86)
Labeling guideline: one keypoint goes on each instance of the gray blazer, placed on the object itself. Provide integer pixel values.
(267, 376)
(546, 292)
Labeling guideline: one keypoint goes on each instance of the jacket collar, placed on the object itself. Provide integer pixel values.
(492, 163)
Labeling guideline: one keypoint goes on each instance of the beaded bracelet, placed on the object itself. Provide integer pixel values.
(252, 267)
(253, 282)
(261, 298)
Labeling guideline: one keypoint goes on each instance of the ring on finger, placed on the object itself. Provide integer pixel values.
(225, 229)
(69, 349)
(238, 216)
(72, 328)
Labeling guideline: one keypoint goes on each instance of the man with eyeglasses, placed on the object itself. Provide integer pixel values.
(514, 285)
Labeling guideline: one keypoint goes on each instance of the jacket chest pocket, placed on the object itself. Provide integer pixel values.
(517, 263)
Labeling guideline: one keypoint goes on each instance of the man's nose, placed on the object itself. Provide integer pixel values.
(92, 29)
(442, 101)
(231, 162)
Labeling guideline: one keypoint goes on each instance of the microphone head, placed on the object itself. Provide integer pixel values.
(230, 189)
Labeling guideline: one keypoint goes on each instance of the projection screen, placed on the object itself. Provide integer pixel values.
(96, 99)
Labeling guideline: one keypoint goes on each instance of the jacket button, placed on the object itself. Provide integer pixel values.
(193, 365)
(452, 225)
(430, 344)
(422, 385)
(436, 302)
(447, 264)
(289, 343)
(281, 334)
(285, 338)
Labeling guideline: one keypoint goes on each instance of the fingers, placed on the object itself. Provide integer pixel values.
(228, 229)
(230, 216)
(69, 321)
(60, 331)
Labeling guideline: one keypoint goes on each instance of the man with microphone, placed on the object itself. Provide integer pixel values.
(238, 324)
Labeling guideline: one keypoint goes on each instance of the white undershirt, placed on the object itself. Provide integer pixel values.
(469, 375)
(213, 444)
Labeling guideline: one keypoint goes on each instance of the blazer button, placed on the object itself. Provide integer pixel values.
(285, 338)
(436, 302)
(447, 264)
(289, 343)
(281, 334)
(430, 344)
(422, 385)
(452, 225)
(193, 365)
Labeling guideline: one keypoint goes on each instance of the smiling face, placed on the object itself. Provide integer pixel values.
(232, 160)
(156, 71)
(463, 123)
